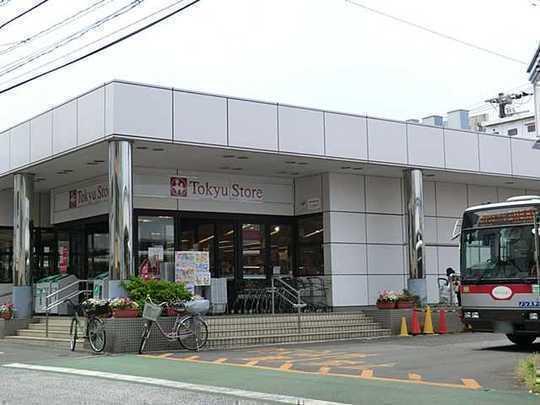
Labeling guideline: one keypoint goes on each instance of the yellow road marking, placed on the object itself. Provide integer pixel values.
(220, 360)
(324, 370)
(286, 367)
(367, 373)
(251, 363)
(193, 358)
(415, 377)
(470, 383)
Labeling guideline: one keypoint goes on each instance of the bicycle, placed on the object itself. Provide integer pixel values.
(190, 330)
(94, 330)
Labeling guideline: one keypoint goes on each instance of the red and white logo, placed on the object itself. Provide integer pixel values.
(178, 186)
(502, 292)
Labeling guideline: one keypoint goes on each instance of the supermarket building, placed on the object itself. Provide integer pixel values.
(92, 186)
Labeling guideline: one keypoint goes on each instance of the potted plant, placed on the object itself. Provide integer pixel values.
(97, 307)
(158, 290)
(7, 311)
(124, 308)
(407, 300)
(387, 299)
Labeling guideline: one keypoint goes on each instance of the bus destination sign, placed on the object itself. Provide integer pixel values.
(507, 218)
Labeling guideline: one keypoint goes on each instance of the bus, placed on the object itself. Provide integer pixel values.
(500, 271)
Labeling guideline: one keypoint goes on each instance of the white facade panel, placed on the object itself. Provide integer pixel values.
(346, 192)
(345, 227)
(65, 127)
(301, 131)
(430, 230)
(253, 125)
(451, 199)
(384, 228)
(495, 154)
(425, 146)
(141, 111)
(505, 193)
(429, 198)
(383, 195)
(445, 229)
(479, 195)
(200, 119)
(525, 158)
(20, 145)
(377, 284)
(385, 259)
(5, 151)
(348, 259)
(349, 290)
(308, 191)
(91, 116)
(448, 257)
(41, 132)
(461, 150)
(432, 289)
(431, 260)
(346, 136)
(387, 141)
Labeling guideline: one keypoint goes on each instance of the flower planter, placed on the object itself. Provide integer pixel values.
(125, 313)
(172, 312)
(405, 304)
(386, 305)
(6, 315)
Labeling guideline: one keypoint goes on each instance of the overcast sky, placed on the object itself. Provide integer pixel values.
(320, 53)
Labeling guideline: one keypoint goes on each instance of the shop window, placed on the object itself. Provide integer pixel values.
(310, 259)
(512, 132)
(225, 246)
(199, 237)
(156, 247)
(281, 252)
(98, 254)
(6, 254)
(253, 251)
(531, 128)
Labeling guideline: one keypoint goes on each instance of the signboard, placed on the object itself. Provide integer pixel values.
(63, 256)
(80, 197)
(507, 218)
(219, 189)
(192, 268)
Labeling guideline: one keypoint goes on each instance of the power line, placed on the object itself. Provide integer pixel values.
(16, 44)
(42, 2)
(5, 69)
(102, 48)
(437, 33)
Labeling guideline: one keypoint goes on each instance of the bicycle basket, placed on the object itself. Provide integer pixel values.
(197, 307)
(151, 311)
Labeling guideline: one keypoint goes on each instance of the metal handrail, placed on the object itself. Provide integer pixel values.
(295, 293)
(59, 301)
(6, 294)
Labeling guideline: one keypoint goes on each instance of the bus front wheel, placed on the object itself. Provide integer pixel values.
(522, 340)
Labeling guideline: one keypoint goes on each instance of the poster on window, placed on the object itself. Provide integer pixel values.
(192, 268)
(63, 256)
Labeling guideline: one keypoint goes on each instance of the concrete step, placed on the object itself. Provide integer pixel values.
(41, 326)
(238, 320)
(60, 343)
(289, 324)
(234, 342)
(291, 330)
(39, 333)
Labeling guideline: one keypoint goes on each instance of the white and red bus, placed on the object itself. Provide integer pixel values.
(500, 271)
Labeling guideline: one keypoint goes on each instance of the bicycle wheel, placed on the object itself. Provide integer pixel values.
(73, 334)
(145, 335)
(96, 334)
(192, 333)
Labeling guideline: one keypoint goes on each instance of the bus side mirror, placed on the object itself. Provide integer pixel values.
(457, 229)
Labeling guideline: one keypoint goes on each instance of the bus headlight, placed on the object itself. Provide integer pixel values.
(466, 314)
(533, 316)
(475, 315)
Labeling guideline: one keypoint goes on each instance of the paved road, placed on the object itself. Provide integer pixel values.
(451, 369)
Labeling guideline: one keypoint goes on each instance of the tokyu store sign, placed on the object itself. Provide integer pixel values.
(82, 196)
(219, 189)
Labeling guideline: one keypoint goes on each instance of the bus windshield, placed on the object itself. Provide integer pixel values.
(498, 253)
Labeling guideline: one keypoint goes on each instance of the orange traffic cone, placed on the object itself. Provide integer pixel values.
(415, 323)
(443, 327)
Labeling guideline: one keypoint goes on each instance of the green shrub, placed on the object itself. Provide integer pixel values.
(158, 290)
(526, 371)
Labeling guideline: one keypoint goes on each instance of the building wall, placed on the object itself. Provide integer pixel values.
(41, 214)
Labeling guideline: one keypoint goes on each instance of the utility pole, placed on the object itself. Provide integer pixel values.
(506, 99)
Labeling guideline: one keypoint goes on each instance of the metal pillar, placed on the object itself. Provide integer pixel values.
(120, 215)
(415, 216)
(23, 191)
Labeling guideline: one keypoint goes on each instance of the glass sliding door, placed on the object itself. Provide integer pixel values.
(156, 247)
(253, 251)
(226, 250)
(310, 256)
(199, 236)
(281, 251)
(6, 255)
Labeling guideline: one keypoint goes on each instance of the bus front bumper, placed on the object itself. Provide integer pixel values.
(507, 321)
